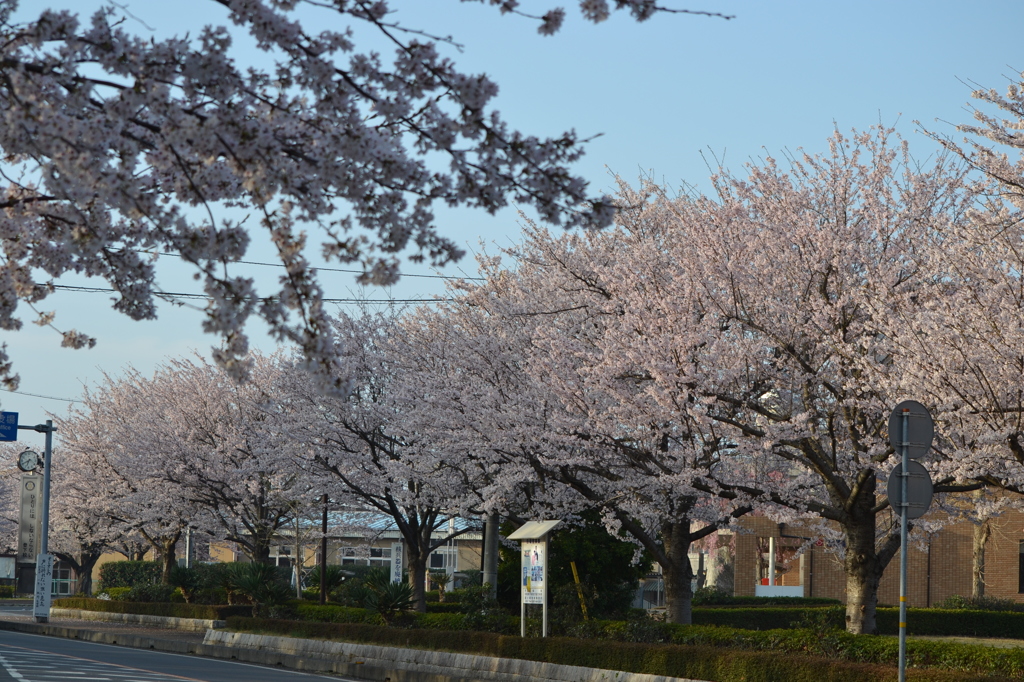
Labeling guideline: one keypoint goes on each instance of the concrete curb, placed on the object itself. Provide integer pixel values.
(186, 624)
(390, 664)
(420, 661)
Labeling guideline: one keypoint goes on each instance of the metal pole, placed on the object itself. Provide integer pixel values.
(771, 561)
(544, 574)
(44, 545)
(903, 547)
(323, 557)
(491, 554)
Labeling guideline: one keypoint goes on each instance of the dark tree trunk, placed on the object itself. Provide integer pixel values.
(864, 561)
(418, 559)
(677, 572)
(168, 557)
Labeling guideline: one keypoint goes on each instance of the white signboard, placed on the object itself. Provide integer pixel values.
(535, 571)
(396, 562)
(7, 567)
(30, 518)
(44, 584)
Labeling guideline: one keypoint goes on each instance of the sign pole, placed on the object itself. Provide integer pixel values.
(903, 546)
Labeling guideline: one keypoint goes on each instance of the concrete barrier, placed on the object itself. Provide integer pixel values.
(360, 661)
(422, 661)
(186, 624)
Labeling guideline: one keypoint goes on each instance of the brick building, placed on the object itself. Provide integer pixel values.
(937, 569)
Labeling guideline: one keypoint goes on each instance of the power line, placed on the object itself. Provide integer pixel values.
(281, 265)
(47, 397)
(175, 295)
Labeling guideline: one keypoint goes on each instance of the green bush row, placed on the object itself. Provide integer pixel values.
(6, 591)
(129, 573)
(201, 611)
(433, 621)
(712, 663)
(938, 622)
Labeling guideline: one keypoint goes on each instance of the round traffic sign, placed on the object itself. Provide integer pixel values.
(919, 489)
(920, 429)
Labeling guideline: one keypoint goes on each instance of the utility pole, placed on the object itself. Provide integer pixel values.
(323, 557)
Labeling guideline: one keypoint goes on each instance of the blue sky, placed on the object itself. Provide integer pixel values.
(779, 76)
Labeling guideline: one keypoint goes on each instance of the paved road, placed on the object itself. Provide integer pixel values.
(37, 658)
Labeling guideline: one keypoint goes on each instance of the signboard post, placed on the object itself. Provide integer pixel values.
(44, 584)
(397, 558)
(911, 431)
(533, 538)
(30, 518)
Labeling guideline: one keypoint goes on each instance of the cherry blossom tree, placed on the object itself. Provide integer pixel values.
(744, 350)
(189, 447)
(118, 148)
(796, 269)
(372, 461)
(514, 380)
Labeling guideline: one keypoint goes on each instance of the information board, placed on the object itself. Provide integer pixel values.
(535, 571)
(30, 518)
(396, 562)
(44, 586)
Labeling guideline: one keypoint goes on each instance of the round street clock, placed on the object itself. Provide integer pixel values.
(28, 461)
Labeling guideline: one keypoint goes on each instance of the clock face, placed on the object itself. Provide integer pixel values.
(28, 461)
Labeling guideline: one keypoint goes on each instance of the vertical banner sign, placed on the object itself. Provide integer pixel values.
(396, 562)
(44, 585)
(534, 571)
(30, 518)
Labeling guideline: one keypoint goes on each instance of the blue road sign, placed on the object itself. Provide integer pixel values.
(8, 426)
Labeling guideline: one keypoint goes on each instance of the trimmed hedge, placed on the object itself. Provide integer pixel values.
(201, 611)
(344, 614)
(938, 622)
(696, 662)
(953, 622)
(129, 573)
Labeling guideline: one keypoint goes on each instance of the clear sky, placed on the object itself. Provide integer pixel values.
(780, 75)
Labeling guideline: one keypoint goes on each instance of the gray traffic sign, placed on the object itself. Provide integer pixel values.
(919, 489)
(920, 429)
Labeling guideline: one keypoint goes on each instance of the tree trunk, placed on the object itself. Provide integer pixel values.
(168, 557)
(83, 572)
(417, 579)
(677, 572)
(864, 564)
(982, 532)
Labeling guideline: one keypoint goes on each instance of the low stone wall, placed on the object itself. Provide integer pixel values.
(187, 624)
(440, 664)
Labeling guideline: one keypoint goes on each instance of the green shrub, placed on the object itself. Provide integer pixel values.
(204, 612)
(979, 604)
(389, 599)
(129, 573)
(701, 662)
(336, 575)
(710, 596)
(150, 593)
(6, 591)
(117, 593)
(262, 584)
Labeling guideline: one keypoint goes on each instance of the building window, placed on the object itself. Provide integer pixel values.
(380, 557)
(444, 559)
(63, 584)
(348, 555)
(1020, 568)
